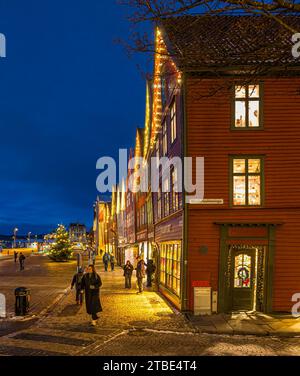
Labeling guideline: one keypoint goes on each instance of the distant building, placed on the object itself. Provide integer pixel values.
(90, 238)
(101, 226)
(121, 223)
(77, 233)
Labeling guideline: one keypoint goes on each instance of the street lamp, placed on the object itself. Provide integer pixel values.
(15, 235)
(28, 238)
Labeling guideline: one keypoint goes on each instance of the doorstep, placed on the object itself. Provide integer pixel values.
(246, 324)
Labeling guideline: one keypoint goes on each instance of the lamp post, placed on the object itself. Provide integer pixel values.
(15, 236)
(28, 239)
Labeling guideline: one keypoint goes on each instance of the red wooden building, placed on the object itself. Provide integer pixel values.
(130, 248)
(243, 239)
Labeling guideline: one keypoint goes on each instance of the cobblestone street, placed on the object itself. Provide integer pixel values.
(130, 324)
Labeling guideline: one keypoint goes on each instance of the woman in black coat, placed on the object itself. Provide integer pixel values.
(128, 268)
(91, 283)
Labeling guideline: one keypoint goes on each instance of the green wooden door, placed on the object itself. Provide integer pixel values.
(243, 279)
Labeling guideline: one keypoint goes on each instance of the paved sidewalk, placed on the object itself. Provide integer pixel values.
(130, 324)
(46, 280)
(66, 329)
(247, 323)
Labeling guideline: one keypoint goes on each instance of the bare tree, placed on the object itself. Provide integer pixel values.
(274, 28)
(152, 12)
(155, 10)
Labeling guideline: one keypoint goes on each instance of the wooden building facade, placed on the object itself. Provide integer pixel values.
(242, 239)
(166, 143)
(255, 173)
(207, 99)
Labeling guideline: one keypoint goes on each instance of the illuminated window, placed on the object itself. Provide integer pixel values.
(247, 106)
(242, 271)
(170, 261)
(173, 122)
(174, 190)
(163, 264)
(159, 203)
(149, 211)
(142, 216)
(166, 191)
(164, 139)
(157, 154)
(247, 181)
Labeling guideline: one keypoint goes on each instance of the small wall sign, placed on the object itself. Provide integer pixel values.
(207, 201)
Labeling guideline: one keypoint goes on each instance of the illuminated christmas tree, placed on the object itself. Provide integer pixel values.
(61, 249)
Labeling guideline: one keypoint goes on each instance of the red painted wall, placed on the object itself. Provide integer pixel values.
(209, 135)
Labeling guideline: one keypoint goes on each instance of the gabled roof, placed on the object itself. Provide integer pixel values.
(197, 42)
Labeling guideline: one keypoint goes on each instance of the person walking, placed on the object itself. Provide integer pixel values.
(15, 256)
(91, 283)
(76, 281)
(128, 269)
(112, 262)
(140, 275)
(94, 257)
(105, 260)
(21, 261)
(150, 272)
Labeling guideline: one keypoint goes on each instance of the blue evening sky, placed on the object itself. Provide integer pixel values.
(69, 95)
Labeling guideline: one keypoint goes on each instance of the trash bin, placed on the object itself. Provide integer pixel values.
(22, 301)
